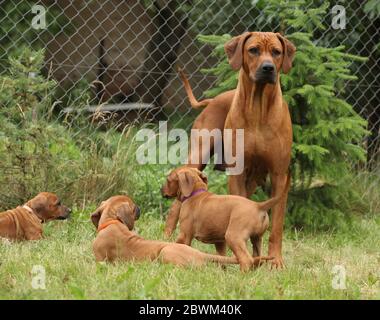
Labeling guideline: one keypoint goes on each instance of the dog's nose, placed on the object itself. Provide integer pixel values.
(267, 67)
(138, 212)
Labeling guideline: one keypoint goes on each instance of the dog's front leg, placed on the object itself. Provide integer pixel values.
(172, 218)
(237, 185)
(278, 216)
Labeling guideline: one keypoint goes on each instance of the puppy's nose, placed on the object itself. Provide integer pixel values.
(138, 212)
(267, 67)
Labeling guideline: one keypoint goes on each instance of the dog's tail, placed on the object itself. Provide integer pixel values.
(220, 259)
(266, 205)
(194, 102)
(233, 260)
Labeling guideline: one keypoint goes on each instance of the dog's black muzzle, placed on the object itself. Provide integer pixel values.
(266, 73)
(66, 215)
(137, 213)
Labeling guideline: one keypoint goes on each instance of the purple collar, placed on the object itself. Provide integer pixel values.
(195, 192)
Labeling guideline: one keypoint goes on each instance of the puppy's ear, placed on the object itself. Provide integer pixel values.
(95, 217)
(38, 203)
(289, 53)
(234, 50)
(186, 183)
(137, 213)
(203, 177)
(125, 215)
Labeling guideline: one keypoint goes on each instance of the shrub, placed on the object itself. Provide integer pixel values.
(38, 153)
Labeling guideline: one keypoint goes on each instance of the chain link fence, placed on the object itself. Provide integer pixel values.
(116, 61)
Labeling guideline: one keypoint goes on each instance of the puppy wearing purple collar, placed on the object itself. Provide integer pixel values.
(219, 219)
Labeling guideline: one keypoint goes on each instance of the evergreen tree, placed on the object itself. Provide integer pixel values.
(327, 131)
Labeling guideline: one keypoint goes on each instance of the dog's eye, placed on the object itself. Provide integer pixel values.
(254, 50)
(276, 52)
(58, 203)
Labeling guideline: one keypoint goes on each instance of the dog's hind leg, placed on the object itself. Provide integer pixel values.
(221, 248)
(251, 187)
(256, 245)
(184, 239)
(238, 245)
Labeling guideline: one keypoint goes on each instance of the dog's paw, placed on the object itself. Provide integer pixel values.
(5, 241)
(277, 263)
(259, 261)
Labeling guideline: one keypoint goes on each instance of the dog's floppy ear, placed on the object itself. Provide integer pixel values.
(124, 214)
(137, 213)
(95, 217)
(289, 52)
(203, 177)
(186, 183)
(234, 50)
(38, 203)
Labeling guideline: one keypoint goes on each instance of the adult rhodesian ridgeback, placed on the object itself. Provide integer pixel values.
(257, 106)
(114, 220)
(218, 219)
(25, 222)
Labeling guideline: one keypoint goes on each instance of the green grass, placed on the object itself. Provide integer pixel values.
(71, 272)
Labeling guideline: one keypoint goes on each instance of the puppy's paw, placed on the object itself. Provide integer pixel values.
(5, 241)
(259, 261)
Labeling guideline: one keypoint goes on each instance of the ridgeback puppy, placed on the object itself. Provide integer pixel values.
(25, 222)
(218, 219)
(114, 220)
(258, 107)
(212, 117)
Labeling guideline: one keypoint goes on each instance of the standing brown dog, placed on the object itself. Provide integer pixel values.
(259, 108)
(218, 219)
(114, 220)
(25, 222)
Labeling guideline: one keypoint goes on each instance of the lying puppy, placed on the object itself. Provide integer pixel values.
(25, 222)
(218, 219)
(114, 220)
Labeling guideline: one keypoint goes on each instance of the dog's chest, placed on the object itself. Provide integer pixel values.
(260, 143)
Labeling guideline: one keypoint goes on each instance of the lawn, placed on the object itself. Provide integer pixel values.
(71, 272)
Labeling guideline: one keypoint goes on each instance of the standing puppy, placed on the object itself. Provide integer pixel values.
(25, 222)
(114, 220)
(218, 219)
(211, 118)
(259, 108)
